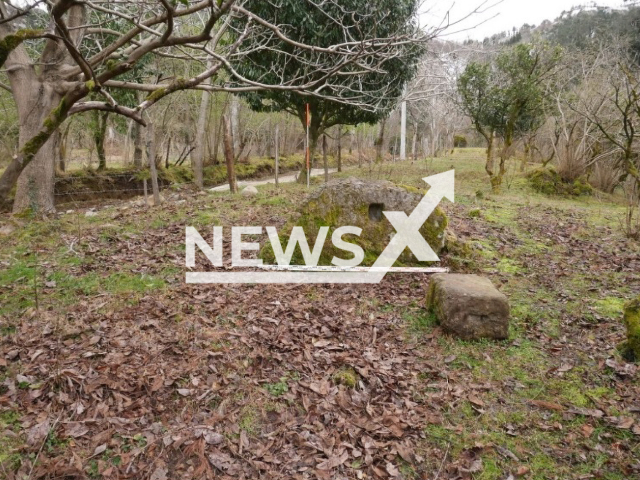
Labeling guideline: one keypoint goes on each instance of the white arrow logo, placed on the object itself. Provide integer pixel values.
(408, 228)
(407, 235)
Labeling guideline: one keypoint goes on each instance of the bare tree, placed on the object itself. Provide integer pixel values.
(83, 57)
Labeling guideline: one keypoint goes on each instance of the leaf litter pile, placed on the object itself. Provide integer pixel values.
(296, 382)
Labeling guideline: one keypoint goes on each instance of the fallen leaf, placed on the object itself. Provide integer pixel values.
(547, 405)
(100, 449)
(159, 473)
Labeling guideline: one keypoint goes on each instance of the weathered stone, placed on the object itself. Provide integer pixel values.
(354, 202)
(249, 191)
(469, 306)
(631, 348)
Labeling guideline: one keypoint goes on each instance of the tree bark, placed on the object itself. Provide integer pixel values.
(151, 157)
(235, 123)
(325, 160)
(414, 142)
(277, 147)
(199, 152)
(99, 135)
(229, 155)
(62, 149)
(137, 145)
(35, 184)
(380, 142)
(339, 148)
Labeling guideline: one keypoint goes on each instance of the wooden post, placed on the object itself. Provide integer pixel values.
(277, 145)
(151, 153)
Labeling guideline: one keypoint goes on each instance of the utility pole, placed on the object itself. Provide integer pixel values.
(403, 131)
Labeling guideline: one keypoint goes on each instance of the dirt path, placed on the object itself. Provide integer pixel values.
(290, 178)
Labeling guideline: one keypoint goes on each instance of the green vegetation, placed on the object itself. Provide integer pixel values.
(631, 348)
(387, 17)
(484, 399)
(346, 376)
(549, 182)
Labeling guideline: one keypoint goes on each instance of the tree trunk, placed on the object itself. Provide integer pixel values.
(325, 160)
(137, 145)
(199, 152)
(35, 185)
(489, 166)
(414, 143)
(151, 157)
(235, 123)
(380, 142)
(99, 135)
(62, 149)
(351, 137)
(526, 156)
(314, 135)
(277, 146)
(339, 148)
(403, 131)
(166, 158)
(229, 155)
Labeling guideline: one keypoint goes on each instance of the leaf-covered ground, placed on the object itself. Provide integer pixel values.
(113, 367)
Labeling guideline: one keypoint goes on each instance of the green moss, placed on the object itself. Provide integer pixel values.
(549, 182)
(249, 420)
(277, 389)
(631, 349)
(11, 42)
(56, 117)
(319, 211)
(346, 376)
(474, 213)
(411, 189)
(156, 95)
(91, 85)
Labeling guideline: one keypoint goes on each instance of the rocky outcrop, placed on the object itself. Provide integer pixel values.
(359, 203)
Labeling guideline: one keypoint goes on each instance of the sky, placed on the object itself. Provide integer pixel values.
(499, 16)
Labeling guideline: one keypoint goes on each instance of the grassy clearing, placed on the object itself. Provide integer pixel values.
(561, 261)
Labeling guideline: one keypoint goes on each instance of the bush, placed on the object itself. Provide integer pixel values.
(460, 141)
(549, 182)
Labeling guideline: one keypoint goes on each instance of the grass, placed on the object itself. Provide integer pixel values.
(538, 249)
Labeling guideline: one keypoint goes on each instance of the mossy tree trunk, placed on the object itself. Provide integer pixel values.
(99, 125)
(494, 177)
(33, 170)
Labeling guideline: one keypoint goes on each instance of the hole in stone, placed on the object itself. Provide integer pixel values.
(375, 211)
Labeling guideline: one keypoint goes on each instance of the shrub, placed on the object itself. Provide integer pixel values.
(549, 182)
(460, 141)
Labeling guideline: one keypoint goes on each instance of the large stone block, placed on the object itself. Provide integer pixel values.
(354, 202)
(469, 306)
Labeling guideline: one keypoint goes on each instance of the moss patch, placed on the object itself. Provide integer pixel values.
(631, 348)
(549, 182)
(346, 376)
(328, 209)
